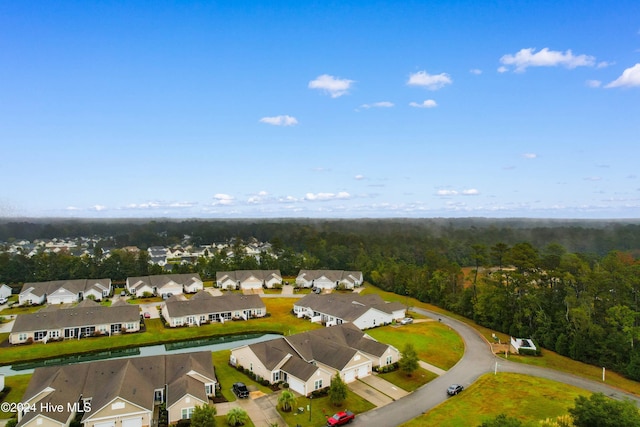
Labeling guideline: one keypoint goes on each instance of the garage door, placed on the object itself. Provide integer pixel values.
(296, 385)
(363, 371)
(106, 424)
(350, 376)
(132, 422)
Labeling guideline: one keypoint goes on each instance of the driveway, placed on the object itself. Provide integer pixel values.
(151, 309)
(261, 409)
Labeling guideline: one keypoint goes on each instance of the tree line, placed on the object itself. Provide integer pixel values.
(573, 286)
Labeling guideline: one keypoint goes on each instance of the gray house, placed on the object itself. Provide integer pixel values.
(204, 308)
(88, 318)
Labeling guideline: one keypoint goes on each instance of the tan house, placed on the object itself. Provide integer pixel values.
(164, 284)
(329, 279)
(119, 392)
(64, 291)
(248, 279)
(204, 308)
(88, 318)
(309, 360)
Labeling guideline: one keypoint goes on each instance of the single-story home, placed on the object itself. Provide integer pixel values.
(119, 392)
(5, 291)
(164, 284)
(248, 279)
(88, 318)
(205, 308)
(64, 291)
(307, 361)
(329, 279)
(366, 311)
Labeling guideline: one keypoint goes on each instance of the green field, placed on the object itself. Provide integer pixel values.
(434, 342)
(527, 398)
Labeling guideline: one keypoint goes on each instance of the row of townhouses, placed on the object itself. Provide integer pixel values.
(71, 291)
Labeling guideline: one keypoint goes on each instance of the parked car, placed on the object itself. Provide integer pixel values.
(341, 418)
(147, 315)
(317, 290)
(406, 321)
(240, 390)
(123, 294)
(3, 300)
(454, 389)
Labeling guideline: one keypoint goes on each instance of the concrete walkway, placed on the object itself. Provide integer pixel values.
(430, 367)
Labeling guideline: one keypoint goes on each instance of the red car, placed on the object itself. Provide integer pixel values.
(341, 418)
(147, 315)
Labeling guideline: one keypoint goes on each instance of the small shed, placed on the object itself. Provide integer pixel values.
(522, 343)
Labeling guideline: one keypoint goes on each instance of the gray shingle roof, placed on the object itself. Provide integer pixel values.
(87, 313)
(133, 379)
(204, 303)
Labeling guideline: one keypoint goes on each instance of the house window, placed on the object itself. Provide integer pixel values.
(22, 337)
(54, 334)
(251, 367)
(130, 326)
(191, 320)
(157, 395)
(317, 385)
(276, 376)
(103, 328)
(208, 388)
(259, 312)
(186, 413)
(389, 360)
(203, 318)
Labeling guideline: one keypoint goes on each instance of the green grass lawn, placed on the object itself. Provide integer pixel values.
(527, 398)
(321, 408)
(280, 321)
(227, 375)
(419, 378)
(434, 342)
(18, 385)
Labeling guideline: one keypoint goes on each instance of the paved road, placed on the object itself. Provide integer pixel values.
(477, 361)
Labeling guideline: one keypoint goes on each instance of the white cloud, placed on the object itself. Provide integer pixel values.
(358, 177)
(280, 120)
(446, 192)
(594, 83)
(383, 104)
(429, 81)
(98, 208)
(529, 155)
(604, 64)
(222, 199)
(429, 103)
(502, 69)
(333, 86)
(327, 196)
(257, 198)
(629, 78)
(72, 208)
(470, 192)
(475, 71)
(525, 58)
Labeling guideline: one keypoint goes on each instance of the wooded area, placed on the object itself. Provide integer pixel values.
(571, 285)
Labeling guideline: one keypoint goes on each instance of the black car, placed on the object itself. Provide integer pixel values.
(454, 389)
(240, 390)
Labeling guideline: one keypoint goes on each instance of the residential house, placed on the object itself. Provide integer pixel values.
(5, 291)
(204, 308)
(88, 318)
(307, 361)
(248, 279)
(64, 291)
(164, 284)
(158, 255)
(329, 279)
(364, 311)
(119, 392)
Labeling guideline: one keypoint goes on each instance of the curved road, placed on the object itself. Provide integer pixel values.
(476, 361)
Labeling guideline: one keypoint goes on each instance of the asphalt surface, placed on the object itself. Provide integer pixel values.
(476, 361)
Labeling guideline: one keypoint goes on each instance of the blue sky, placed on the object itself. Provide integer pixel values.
(320, 109)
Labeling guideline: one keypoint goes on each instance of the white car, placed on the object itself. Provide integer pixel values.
(3, 300)
(406, 321)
